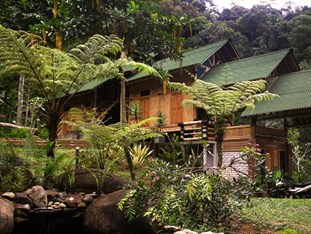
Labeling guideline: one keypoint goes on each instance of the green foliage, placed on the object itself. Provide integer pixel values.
(172, 156)
(18, 133)
(99, 174)
(301, 156)
(43, 133)
(58, 74)
(102, 141)
(262, 175)
(135, 111)
(169, 195)
(117, 138)
(290, 231)
(55, 169)
(161, 121)
(13, 170)
(279, 214)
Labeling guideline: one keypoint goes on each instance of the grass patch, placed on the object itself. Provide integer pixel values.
(279, 214)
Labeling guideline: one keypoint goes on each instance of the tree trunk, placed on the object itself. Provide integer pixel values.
(220, 133)
(27, 108)
(9, 125)
(122, 103)
(122, 96)
(20, 95)
(52, 126)
(130, 163)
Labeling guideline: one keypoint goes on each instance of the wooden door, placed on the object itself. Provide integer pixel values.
(176, 108)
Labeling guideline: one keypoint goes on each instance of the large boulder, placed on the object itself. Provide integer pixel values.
(38, 195)
(6, 216)
(85, 181)
(104, 217)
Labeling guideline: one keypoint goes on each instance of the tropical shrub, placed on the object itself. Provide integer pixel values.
(117, 137)
(13, 170)
(56, 169)
(18, 133)
(262, 176)
(301, 157)
(169, 195)
(139, 154)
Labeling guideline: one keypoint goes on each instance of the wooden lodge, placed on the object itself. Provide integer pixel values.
(279, 68)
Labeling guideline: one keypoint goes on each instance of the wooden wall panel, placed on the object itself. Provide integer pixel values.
(176, 110)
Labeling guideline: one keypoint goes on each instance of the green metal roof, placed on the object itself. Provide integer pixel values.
(92, 85)
(190, 57)
(294, 90)
(251, 68)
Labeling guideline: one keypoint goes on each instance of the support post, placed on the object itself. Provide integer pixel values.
(204, 156)
(77, 156)
(215, 155)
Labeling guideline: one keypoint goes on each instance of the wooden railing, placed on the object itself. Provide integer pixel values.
(196, 131)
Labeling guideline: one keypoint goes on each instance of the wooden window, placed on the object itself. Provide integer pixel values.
(144, 93)
(176, 108)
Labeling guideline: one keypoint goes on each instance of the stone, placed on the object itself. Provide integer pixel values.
(38, 196)
(88, 199)
(103, 216)
(20, 213)
(62, 205)
(70, 201)
(52, 194)
(82, 204)
(85, 181)
(19, 220)
(25, 207)
(8, 195)
(185, 231)
(171, 229)
(22, 198)
(6, 216)
(211, 233)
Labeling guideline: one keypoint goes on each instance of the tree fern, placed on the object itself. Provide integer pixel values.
(221, 102)
(58, 75)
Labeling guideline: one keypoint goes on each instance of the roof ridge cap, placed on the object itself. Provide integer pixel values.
(257, 56)
(296, 72)
(192, 49)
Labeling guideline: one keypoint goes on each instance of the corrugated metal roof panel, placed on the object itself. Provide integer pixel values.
(92, 85)
(294, 90)
(191, 57)
(251, 68)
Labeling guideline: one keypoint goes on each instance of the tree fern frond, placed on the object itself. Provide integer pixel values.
(97, 47)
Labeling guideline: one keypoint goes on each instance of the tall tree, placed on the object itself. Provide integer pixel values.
(300, 35)
(221, 102)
